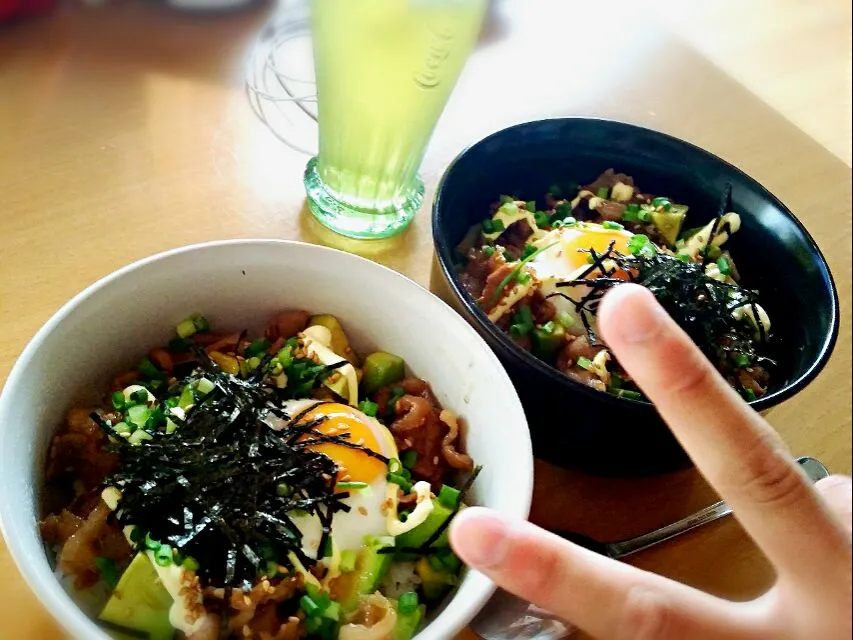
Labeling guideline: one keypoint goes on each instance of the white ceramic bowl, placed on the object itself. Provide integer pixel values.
(240, 284)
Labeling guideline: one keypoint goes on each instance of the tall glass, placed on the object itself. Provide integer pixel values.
(384, 69)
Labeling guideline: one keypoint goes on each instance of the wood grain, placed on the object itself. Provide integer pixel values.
(125, 130)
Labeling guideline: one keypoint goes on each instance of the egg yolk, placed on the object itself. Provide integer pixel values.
(596, 239)
(354, 465)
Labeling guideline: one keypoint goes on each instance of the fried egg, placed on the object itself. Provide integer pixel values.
(567, 259)
(366, 517)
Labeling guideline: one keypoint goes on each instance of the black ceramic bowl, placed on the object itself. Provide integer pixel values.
(571, 424)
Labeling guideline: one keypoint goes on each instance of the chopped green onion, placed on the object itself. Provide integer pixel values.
(529, 250)
(148, 370)
(185, 328)
(506, 199)
(637, 242)
(609, 224)
(584, 363)
(271, 569)
(138, 436)
(743, 360)
(684, 257)
(351, 486)
(409, 458)
(328, 548)
(450, 561)
(394, 466)
(565, 319)
(138, 414)
(713, 252)
(603, 192)
(139, 397)
(488, 251)
(723, 266)
(644, 216)
(408, 603)
(256, 348)
(590, 259)
(530, 205)
(282, 489)
(448, 496)
(348, 559)
(368, 408)
(541, 219)
(518, 330)
(626, 393)
(307, 604)
(163, 555)
(400, 481)
(122, 428)
(436, 563)
(662, 203)
(314, 624)
(498, 225)
(631, 213)
(200, 322)
(548, 327)
(563, 210)
(118, 400)
(108, 570)
(285, 356)
(204, 386)
(749, 394)
(332, 611)
(187, 398)
(570, 221)
(523, 278)
(488, 226)
(522, 320)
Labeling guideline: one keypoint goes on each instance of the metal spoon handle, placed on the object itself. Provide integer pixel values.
(812, 468)
(706, 515)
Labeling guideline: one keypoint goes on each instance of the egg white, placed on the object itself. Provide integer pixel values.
(562, 263)
(365, 517)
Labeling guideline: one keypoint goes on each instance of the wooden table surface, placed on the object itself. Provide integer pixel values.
(125, 130)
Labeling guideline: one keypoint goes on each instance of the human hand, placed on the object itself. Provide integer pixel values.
(804, 530)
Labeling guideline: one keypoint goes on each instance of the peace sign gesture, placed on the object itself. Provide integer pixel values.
(804, 530)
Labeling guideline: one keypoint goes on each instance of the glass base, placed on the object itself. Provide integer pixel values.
(359, 222)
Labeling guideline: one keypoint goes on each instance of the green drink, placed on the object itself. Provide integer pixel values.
(385, 69)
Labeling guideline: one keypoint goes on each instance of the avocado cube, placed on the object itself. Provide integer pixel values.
(407, 624)
(381, 369)
(140, 602)
(419, 535)
(669, 223)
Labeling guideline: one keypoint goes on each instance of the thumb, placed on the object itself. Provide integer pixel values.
(837, 492)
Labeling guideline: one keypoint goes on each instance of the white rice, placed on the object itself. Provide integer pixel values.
(401, 578)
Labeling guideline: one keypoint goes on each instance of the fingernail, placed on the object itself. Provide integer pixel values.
(481, 538)
(631, 312)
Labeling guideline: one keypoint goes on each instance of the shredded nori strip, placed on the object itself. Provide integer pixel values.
(210, 489)
(699, 304)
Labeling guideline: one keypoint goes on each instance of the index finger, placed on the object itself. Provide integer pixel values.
(734, 448)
